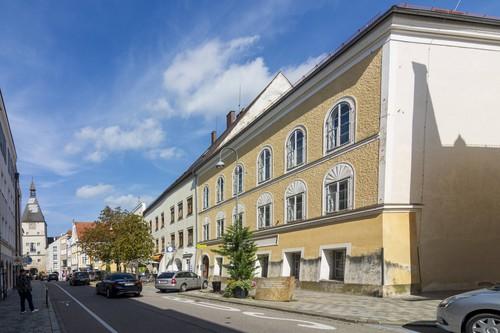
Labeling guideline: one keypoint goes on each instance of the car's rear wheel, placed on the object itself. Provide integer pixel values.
(183, 287)
(484, 322)
(109, 294)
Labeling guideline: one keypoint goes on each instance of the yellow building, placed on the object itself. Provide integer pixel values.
(333, 175)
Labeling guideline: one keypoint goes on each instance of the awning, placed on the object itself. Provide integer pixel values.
(157, 257)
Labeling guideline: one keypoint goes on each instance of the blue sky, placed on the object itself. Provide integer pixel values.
(111, 100)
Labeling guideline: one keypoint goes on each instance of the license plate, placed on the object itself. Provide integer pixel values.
(129, 284)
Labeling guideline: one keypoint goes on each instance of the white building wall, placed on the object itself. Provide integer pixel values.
(186, 254)
(439, 121)
(35, 244)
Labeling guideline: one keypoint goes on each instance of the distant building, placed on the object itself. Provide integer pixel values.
(57, 255)
(139, 209)
(10, 228)
(80, 261)
(34, 237)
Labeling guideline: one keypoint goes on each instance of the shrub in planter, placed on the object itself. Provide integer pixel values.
(238, 288)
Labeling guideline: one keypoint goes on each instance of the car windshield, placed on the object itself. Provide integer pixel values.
(115, 277)
(168, 275)
(82, 274)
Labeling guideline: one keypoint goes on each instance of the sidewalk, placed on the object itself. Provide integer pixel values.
(351, 308)
(13, 321)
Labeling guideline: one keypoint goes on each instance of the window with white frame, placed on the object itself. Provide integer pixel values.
(338, 188)
(220, 228)
(295, 149)
(220, 189)
(205, 197)
(264, 165)
(295, 201)
(339, 127)
(238, 180)
(238, 215)
(206, 232)
(264, 210)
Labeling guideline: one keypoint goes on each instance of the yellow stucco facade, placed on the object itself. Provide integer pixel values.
(376, 244)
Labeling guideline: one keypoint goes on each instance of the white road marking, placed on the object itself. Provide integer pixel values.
(204, 304)
(303, 323)
(308, 324)
(96, 317)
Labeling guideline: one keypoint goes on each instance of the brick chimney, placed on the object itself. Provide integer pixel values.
(230, 118)
(213, 136)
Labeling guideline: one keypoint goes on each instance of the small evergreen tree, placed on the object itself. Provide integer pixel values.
(240, 249)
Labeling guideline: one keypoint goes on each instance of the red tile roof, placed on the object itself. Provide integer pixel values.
(81, 227)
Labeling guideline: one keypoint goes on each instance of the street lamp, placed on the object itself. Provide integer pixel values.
(220, 165)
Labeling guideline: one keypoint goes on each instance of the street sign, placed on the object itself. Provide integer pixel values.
(201, 246)
(170, 249)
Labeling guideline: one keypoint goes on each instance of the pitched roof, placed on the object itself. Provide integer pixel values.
(82, 227)
(33, 212)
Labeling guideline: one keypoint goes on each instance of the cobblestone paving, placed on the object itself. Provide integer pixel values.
(13, 321)
(349, 307)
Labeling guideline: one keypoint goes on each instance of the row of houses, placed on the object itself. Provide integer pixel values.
(377, 173)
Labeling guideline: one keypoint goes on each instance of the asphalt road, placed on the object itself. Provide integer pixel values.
(79, 309)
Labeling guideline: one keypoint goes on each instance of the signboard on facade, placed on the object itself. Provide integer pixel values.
(201, 246)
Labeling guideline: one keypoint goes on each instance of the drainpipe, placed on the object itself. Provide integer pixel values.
(195, 228)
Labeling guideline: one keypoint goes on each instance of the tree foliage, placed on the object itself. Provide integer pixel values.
(240, 249)
(119, 237)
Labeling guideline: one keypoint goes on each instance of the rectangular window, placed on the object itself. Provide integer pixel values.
(172, 214)
(179, 211)
(157, 247)
(181, 239)
(190, 237)
(206, 232)
(337, 269)
(163, 244)
(172, 240)
(220, 228)
(156, 223)
(32, 226)
(238, 219)
(265, 216)
(189, 203)
(337, 195)
(295, 208)
(163, 220)
(54, 257)
(32, 247)
(151, 226)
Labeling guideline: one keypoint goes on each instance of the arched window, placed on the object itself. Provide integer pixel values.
(220, 189)
(339, 126)
(238, 180)
(295, 201)
(264, 210)
(205, 197)
(238, 214)
(338, 188)
(264, 165)
(295, 149)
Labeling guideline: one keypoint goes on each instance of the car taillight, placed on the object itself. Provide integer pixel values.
(173, 281)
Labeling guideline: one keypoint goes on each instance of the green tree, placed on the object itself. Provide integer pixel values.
(240, 249)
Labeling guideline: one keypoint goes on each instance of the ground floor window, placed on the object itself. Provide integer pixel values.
(333, 264)
(291, 264)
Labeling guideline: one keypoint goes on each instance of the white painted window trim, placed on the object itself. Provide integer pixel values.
(285, 161)
(304, 204)
(217, 189)
(242, 179)
(206, 199)
(241, 209)
(258, 269)
(283, 258)
(351, 187)
(352, 126)
(337, 246)
(261, 202)
(271, 168)
(217, 268)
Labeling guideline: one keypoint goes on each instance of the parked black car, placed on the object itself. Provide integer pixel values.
(79, 278)
(53, 276)
(119, 284)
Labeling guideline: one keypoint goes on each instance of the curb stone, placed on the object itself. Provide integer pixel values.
(348, 319)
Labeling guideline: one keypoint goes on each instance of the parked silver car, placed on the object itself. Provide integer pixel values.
(180, 281)
(476, 311)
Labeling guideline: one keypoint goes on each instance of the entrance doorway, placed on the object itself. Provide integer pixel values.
(264, 264)
(295, 265)
(204, 267)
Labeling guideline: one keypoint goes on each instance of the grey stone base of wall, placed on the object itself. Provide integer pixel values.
(360, 289)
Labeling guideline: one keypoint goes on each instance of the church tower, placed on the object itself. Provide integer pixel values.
(34, 239)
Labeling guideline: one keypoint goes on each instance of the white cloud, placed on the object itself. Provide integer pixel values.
(206, 80)
(127, 201)
(165, 153)
(99, 142)
(91, 191)
(160, 108)
(295, 73)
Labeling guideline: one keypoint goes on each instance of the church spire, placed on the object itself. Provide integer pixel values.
(32, 189)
